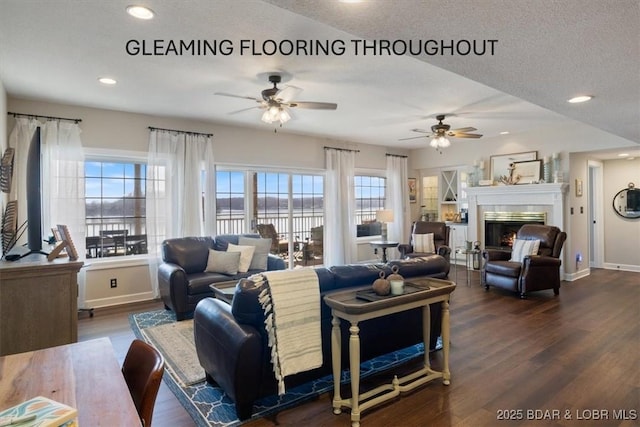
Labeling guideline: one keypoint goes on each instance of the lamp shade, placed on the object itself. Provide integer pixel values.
(384, 215)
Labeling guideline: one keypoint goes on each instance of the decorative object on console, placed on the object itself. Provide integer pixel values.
(510, 179)
(500, 164)
(546, 168)
(557, 172)
(384, 216)
(66, 237)
(396, 281)
(6, 170)
(381, 286)
(529, 172)
(10, 229)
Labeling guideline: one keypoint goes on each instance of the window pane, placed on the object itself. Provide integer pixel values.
(115, 208)
(370, 196)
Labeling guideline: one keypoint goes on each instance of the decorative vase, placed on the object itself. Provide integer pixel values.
(381, 286)
(396, 281)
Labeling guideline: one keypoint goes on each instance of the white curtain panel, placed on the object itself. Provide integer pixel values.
(397, 198)
(19, 140)
(339, 207)
(63, 189)
(176, 165)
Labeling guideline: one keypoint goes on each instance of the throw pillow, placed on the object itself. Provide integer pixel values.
(223, 262)
(423, 243)
(246, 254)
(261, 253)
(522, 248)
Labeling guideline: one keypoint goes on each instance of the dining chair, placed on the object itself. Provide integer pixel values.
(142, 369)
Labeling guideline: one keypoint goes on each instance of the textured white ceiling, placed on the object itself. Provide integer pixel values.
(547, 51)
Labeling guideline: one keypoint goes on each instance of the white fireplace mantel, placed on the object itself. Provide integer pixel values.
(527, 197)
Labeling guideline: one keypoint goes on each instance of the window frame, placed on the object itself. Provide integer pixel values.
(116, 156)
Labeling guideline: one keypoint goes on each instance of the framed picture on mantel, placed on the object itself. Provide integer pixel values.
(500, 164)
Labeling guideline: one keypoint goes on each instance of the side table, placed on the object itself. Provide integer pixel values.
(419, 292)
(468, 261)
(383, 244)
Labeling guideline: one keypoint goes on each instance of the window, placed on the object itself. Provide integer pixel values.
(115, 208)
(230, 202)
(370, 196)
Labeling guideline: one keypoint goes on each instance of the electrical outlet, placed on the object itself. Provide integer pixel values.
(114, 283)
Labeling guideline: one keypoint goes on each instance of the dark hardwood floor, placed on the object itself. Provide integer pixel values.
(573, 359)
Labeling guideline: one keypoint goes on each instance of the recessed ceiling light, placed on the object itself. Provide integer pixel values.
(107, 81)
(623, 155)
(578, 99)
(140, 12)
(504, 132)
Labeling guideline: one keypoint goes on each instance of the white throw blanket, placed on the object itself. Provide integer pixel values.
(291, 304)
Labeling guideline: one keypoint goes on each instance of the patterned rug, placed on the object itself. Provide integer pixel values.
(208, 404)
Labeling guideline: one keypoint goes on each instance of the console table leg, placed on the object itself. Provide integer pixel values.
(354, 367)
(426, 333)
(446, 375)
(336, 351)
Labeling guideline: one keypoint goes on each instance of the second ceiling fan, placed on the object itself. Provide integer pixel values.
(277, 102)
(440, 132)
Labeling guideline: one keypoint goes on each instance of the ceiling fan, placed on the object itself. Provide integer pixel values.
(277, 102)
(441, 131)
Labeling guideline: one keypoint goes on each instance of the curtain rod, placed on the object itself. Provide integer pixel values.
(340, 149)
(181, 131)
(36, 116)
(396, 155)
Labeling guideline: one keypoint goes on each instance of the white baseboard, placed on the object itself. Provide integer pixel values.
(119, 300)
(621, 267)
(570, 277)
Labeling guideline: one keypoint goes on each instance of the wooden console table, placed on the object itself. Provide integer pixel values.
(84, 375)
(38, 303)
(419, 292)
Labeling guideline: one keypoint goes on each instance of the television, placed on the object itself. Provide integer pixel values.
(34, 196)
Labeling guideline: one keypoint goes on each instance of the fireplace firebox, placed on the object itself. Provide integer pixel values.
(500, 228)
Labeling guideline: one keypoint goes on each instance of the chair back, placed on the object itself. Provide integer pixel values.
(551, 238)
(268, 231)
(440, 231)
(142, 369)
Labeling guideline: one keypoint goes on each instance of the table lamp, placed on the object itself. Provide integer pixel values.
(384, 216)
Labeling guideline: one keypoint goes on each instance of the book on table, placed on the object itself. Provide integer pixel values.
(39, 412)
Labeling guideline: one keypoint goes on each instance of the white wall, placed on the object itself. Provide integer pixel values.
(108, 129)
(622, 235)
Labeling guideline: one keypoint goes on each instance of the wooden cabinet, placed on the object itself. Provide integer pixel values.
(38, 303)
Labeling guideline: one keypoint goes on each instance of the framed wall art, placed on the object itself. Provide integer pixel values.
(529, 172)
(500, 164)
(413, 190)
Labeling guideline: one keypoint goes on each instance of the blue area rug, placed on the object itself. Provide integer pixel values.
(208, 404)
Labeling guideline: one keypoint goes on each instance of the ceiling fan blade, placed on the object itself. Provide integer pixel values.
(245, 109)
(238, 96)
(288, 93)
(464, 135)
(413, 137)
(428, 132)
(469, 129)
(313, 105)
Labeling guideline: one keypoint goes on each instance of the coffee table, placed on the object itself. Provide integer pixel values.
(224, 290)
(419, 292)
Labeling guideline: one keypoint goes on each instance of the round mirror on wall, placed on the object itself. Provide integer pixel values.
(626, 202)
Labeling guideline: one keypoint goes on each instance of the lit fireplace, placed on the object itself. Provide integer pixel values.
(500, 228)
